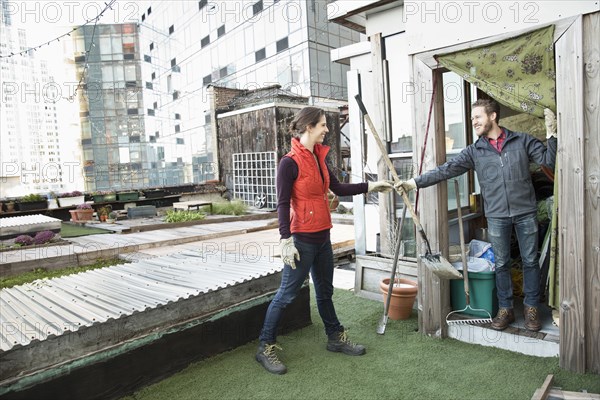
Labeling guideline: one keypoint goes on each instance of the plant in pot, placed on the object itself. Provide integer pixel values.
(83, 212)
(69, 199)
(103, 212)
(112, 217)
(33, 201)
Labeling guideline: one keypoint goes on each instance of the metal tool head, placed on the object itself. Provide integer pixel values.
(476, 321)
(468, 321)
(440, 266)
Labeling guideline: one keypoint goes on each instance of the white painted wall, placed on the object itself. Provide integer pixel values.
(434, 24)
(387, 22)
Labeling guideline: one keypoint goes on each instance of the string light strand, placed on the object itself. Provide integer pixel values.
(67, 34)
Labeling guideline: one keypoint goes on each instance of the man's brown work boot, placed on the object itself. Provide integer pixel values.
(532, 319)
(505, 317)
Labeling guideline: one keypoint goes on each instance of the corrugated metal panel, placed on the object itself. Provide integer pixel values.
(26, 220)
(28, 224)
(46, 308)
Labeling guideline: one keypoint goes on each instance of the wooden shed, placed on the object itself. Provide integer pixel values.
(398, 69)
(252, 136)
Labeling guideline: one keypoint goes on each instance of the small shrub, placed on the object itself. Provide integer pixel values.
(235, 207)
(184, 216)
(43, 237)
(104, 210)
(31, 198)
(24, 240)
(84, 206)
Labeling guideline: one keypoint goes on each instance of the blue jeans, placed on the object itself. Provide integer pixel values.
(499, 234)
(318, 260)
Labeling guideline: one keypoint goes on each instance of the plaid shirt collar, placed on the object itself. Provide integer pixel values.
(498, 143)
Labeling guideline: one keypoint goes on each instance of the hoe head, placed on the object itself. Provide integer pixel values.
(440, 266)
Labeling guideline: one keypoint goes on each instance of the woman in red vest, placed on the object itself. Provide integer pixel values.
(303, 182)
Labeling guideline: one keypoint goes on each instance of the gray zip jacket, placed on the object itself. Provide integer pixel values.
(504, 177)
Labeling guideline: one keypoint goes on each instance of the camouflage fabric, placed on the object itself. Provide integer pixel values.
(517, 72)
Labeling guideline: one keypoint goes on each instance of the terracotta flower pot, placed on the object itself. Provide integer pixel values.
(404, 293)
(81, 215)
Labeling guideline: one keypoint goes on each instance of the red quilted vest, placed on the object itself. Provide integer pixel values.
(309, 206)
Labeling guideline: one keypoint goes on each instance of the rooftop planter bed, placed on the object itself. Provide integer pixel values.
(131, 195)
(155, 193)
(32, 202)
(70, 199)
(104, 196)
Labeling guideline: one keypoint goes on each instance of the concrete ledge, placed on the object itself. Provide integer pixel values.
(211, 220)
(514, 339)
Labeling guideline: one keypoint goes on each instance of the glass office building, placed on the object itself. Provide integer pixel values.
(115, 148)
(186, 46)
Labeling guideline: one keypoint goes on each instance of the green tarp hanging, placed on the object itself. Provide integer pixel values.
(517, 72)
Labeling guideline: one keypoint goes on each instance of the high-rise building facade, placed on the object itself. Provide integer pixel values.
(35, 155)
(187, 46)
(107, 62)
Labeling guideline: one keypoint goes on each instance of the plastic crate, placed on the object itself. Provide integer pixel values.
(482, 291)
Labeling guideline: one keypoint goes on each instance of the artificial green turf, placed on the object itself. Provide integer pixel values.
(402, 364)
(73, 230)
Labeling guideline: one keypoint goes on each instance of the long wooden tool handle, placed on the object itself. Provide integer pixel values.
(463, 256)
(377, 139)
(395, 264)
(390, 166)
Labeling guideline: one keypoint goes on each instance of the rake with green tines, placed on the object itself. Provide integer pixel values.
(468, 308)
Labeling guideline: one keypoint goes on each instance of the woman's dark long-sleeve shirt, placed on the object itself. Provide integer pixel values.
(286, 175)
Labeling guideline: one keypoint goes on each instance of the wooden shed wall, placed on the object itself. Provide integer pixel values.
(264, 130)
(578, 96)
(249, 132)
(285, 115)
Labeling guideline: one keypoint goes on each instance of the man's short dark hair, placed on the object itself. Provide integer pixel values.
(490, 106)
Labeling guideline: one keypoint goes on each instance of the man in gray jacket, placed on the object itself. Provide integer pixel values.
(501, 160)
